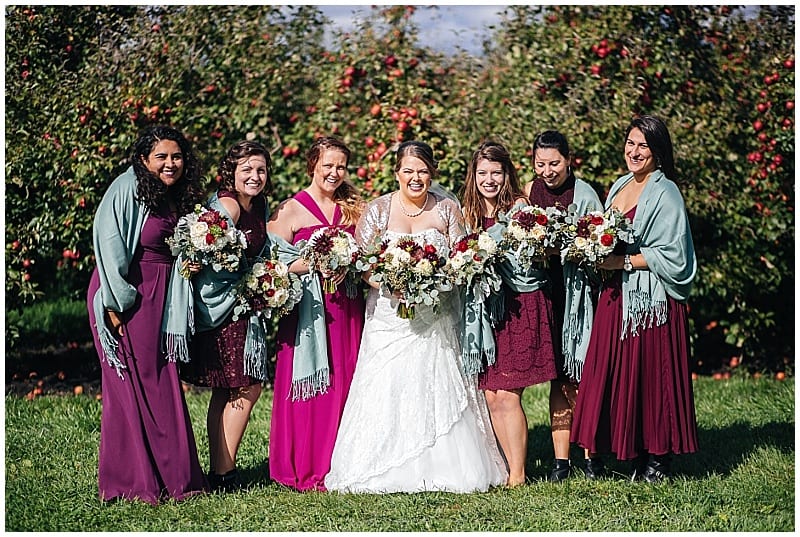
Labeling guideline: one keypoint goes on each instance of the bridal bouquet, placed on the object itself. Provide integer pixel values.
(332, 250)
(595, 235)
(530, 231)
(472, 264)
(415, 270)
(268, 289)
(205, 236)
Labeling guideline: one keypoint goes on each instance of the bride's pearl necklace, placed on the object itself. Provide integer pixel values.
(410, 215)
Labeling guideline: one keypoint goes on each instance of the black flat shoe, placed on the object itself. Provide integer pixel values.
(560, 471)
(595, 469)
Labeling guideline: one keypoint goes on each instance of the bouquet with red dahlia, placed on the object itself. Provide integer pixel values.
(205, 236)
(530, 231)
(594, 236)
(413, 270)
(268, 289)
(331, 250)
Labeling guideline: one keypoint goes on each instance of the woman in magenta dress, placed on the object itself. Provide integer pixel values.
(525, 346)
(635, 398)
(147, 447)
(307, 408)
(218, 348)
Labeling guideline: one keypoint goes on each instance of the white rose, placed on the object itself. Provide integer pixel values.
(581, 242)
(457, 262)
(259, 270)
(487, 243)
(280, 297)
(538, 233)
(281, 270)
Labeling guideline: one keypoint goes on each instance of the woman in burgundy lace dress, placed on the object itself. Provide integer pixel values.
(218, 348)
(525, 347)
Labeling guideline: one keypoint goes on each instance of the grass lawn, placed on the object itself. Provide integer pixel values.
(743, 479)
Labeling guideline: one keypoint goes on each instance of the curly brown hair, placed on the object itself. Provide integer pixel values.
(150, 191)
(346, 196)
(510, 192)
(228, 163)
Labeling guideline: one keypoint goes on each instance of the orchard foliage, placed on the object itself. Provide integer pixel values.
(82, 81)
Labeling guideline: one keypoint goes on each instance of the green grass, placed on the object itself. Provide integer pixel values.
(741, 480)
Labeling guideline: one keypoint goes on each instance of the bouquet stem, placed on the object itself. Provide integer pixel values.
(404, 311)
(328, 286)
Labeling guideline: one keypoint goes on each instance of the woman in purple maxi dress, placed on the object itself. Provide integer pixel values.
(147, 446)
(303, 432)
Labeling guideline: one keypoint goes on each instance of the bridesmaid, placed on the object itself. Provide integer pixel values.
(218, 352)
(147, 447)
(635, 398)
(525, 346)
(556, 186)
(316, 355)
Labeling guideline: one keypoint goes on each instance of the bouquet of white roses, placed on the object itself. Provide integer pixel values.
(472, 264)
(268, 289)
(530, 231)
(412, 269)
(332, 250)
(205, 236)
(594, 236)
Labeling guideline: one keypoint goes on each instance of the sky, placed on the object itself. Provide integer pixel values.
(444, 27)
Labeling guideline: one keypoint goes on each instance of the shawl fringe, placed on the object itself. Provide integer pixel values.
(255, 350)
(176, 347)
(110, 346)
(306, 388)
(643, 313)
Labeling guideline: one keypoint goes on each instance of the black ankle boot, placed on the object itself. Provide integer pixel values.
(229, 482)
(657, 469)
(560, 471)
(595, 469)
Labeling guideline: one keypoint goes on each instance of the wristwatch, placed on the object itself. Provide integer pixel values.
(627, 266)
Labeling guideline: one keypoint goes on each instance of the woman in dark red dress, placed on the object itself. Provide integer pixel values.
(218, 348)
(556, 186)
(525, 346)
(635, 398)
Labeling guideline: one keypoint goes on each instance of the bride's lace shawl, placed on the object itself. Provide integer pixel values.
(375, 220)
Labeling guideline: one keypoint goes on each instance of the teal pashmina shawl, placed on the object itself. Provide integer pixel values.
(215, 298)
(662, 235)
(579, 310)
(477, 335)
(310, 370)
(117, 229)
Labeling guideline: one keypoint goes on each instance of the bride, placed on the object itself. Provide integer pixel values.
(413, 421)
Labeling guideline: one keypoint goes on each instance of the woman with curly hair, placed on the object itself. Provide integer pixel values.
(147, 447)
(221, 356)
(318, 342)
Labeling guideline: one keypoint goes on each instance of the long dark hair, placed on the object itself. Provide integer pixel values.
(227, 165)
(149, 189)
(509, 193)
(346, 196)
(659, 141)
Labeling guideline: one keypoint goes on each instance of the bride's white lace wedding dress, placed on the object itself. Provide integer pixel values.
(413, 420)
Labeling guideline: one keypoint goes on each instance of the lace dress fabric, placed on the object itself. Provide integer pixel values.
(218, 354)
(413, 420)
